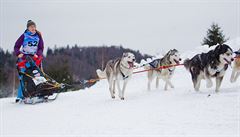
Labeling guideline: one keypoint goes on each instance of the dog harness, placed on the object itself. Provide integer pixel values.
(225, 67)
(123, 75)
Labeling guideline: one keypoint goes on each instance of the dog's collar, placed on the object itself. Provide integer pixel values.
(225, 66)
(124, 76)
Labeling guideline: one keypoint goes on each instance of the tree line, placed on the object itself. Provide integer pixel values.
(67, 64)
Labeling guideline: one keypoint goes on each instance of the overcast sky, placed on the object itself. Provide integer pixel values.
(149, 26)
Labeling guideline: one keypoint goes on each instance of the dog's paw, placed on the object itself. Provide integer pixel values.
(113, 97)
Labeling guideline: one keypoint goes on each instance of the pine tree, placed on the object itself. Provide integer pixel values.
(214, 36)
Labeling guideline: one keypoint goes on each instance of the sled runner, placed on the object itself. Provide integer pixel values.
(36, 86)
(46, 99)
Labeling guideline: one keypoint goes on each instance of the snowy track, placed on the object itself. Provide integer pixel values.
(177, 112)
(91, 112)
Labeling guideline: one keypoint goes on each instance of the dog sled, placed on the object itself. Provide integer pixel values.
(36, 86)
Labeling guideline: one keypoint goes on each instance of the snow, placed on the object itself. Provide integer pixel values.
(235, 43)
(177, 112)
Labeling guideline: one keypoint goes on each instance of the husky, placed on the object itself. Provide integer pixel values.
(117, 70)
(171, 58)
(236, 67)
(208, 65)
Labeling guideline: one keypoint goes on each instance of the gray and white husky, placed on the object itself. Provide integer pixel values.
(236, 68)
(171, 58)
(208, 65)
(117, 70)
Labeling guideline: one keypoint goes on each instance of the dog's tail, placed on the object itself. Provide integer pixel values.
(187, 63)
(101, 74)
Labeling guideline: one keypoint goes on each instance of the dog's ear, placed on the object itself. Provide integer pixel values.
(169, 52)
(125, 54)
(218, 48)
(216, 52)
(175, 50)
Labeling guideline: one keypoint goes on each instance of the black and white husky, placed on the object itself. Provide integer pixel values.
(211, 64)
(171, 58)
(117, 70)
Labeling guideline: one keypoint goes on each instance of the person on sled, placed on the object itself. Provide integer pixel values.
(30, 43)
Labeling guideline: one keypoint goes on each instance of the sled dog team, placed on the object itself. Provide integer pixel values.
(212, 64)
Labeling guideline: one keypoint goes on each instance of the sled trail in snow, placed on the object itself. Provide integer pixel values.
(177, 112)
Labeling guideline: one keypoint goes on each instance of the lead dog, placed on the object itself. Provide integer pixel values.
(117, 70)
(208, 65)
(236, 67)
(171, 58)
